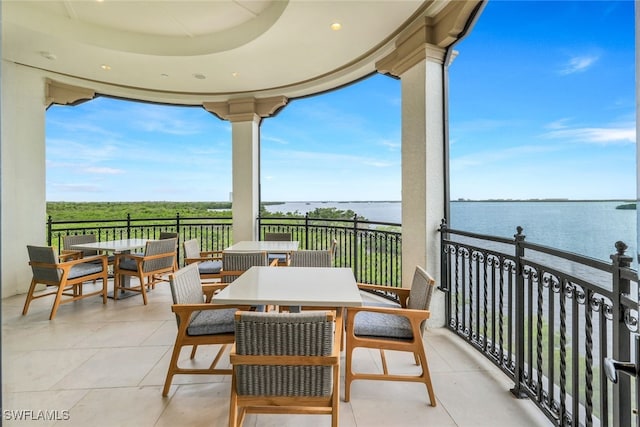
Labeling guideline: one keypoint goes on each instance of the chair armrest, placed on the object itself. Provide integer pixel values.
(201, 259)
(66, 265)
(402, 293)
(209, 289)
(211, 254)
(415, 317)
(184, 311)
(69, 254)
(274, 263)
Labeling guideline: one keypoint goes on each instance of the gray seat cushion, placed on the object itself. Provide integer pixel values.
(213, 322)
(382, 325)
(128, 264)
(85, 269)
(210, 267)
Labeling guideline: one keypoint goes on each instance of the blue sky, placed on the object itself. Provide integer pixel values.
(542, 105)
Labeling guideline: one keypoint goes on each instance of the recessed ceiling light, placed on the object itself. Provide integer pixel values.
(336, 26)
(235, 74)
(199, 76)
(105, 67)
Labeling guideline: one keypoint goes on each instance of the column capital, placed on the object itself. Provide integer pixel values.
(412, 48)
(246, 109)
(65, 94)
(428, 37)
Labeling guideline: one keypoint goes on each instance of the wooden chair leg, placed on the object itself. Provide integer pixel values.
(233, 404)
(348, 374)
(143, 289)
(27, 302)
(384, 362)
(56, 302)
(116, 286)
(105, 281)
(173, 366)
(426, 374)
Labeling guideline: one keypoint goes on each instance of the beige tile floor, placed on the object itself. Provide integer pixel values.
(104, 365)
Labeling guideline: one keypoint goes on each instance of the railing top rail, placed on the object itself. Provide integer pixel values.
(444, 229)
(309, 218)
(570, 256)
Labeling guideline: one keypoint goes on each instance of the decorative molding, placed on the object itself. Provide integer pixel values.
(246, 109)
(65, 94)
(427, 38)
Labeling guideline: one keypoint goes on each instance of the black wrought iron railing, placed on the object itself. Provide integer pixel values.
(548, 319)
(372, 249)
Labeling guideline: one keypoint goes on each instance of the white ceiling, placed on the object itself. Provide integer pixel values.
(214, 48)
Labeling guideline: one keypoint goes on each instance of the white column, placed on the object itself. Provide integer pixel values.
(423, 179)
(245, 115)
(246, 178)
(418, 63)
(23, 184)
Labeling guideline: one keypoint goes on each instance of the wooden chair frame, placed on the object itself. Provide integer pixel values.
(414, 346)
(65, 286)
(184, 313)
(241, 405)
(279, 237)
(152, 277)
(203, 257)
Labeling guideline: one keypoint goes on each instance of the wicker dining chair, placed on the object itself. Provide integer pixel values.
(386, 327)
(310, 258)
(285, 363)
(77, 239)
(282, 258)
(236, 263)
(158, 259)
(209, 262)
(199, 323)
(67, 277)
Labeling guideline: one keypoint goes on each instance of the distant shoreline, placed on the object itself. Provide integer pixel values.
(456, 201)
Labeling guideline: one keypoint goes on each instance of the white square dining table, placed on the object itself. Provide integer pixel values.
(293, 286)
(262, 245)
(116, 246)
(124, 245)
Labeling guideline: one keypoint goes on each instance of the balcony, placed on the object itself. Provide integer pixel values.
(106, 365)
(521, 320)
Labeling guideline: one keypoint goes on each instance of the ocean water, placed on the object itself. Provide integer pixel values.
(588, 228)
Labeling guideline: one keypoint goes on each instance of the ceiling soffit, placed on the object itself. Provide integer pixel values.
(188, 49)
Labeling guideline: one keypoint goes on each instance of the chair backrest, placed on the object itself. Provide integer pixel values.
(185, 285)
(281, 237)
(421, 290)
(310, 258)
(284, 334)
(168, 235)
(191, 248)
(70, 240)
(156, 247)
(44, 254)
(233, 263)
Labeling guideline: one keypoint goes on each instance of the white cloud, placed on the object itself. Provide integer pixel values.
(81, 188)
(104, 170)
(615, 134)
(578, 64)
(277, 140)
